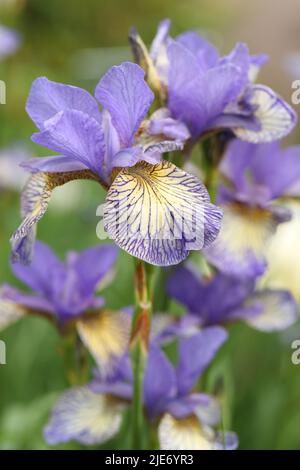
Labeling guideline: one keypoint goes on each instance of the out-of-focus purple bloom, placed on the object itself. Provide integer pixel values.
(256, 177)
(9, 41)
(209, 92)
(121, 149)
(65, 293)
(186, 418)
(222, 299)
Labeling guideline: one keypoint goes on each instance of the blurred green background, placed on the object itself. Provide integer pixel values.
(75, 42)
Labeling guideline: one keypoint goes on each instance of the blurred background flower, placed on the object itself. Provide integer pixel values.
(76, 44)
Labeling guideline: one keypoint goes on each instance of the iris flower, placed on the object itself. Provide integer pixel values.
(256, 177)
(153, 210)
(222, 299)
(209, 92)
(64, 293)
(184, 419)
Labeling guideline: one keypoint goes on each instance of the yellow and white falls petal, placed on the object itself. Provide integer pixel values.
(243, 240)
(158, 213)
(84, 416)
(278, 311)
(184, 434)
(10, 312)
(34, 203)
(274, 116)
(106, 335)
(283, 256)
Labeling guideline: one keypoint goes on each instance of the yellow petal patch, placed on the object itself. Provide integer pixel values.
(283, 256)
(184, 434)
(10, 312)
(85, 416)
(159, 212)
(106, 335)
(243, 239)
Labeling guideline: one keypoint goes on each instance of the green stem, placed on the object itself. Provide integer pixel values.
(139, 349)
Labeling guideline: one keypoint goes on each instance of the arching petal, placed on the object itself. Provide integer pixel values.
(245, 233)
(159, 213)
(275, 117)
(47, 98)
(57, 164)
(84, 416)
(125, 94)
(106, 335)
(34, 203)
(278, 310)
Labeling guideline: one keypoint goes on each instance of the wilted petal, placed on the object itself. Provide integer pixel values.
(34, 203)
(278, 310)
(124, 93)
(84, 416)
(106, 336)
(274, 116)
(184, 434)
(76, 135)
(47, 98)
(159, 213)
(241, 244)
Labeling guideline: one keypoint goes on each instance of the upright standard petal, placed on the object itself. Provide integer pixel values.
(195, 354)
(274, 116)
(34, 203)
(76, 135)
(47, 98)
(159, 382)
(278, 310)
(84, 416)
(125, 94)
(159, 213)
(106, 335)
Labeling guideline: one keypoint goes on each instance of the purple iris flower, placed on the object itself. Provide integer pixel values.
(222, 299)
(185, 418)
(209, 92)
(9, 41)
(255, 178)
(65, 293)
(152, 206)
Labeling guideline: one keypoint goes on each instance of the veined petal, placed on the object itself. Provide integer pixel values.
(278, 310)
(159, 213)
(184, 434)
(47, 98)
(10, 312)
(76, 135)
(84, 416)
(34, 203)
(240, 247)
(106, 335)
(275, 117)
(125, 94)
